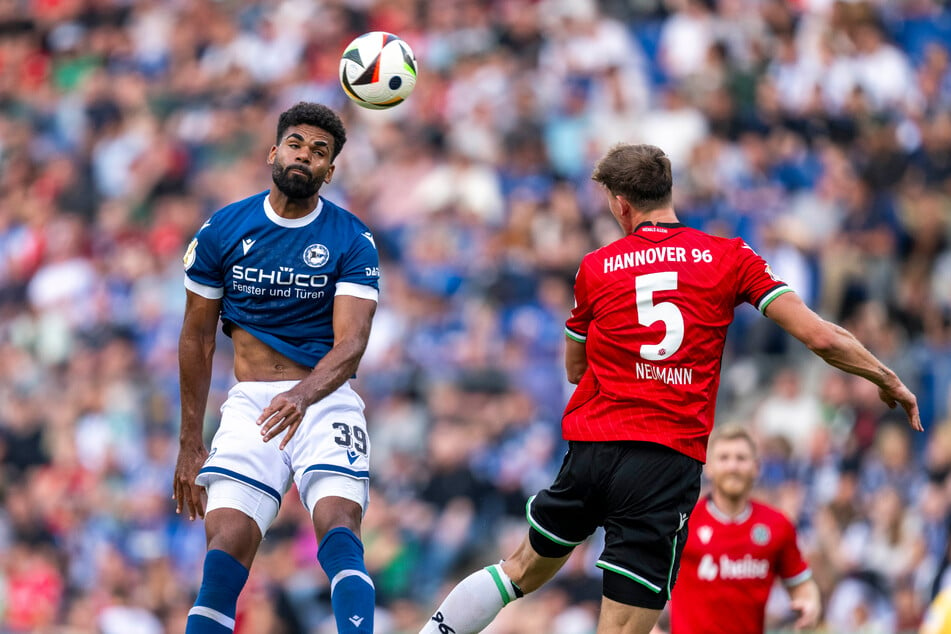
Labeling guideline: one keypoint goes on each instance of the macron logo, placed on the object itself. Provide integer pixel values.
(247, 243)
(369, 236)
(356, 620)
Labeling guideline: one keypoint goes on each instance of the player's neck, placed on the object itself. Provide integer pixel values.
(666, 214)
(730, 506)
(291, 207)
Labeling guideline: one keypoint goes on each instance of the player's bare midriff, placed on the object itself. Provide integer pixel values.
(256, 361)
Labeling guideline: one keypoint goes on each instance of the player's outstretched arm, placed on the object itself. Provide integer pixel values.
(352, 320)
(839, 348)
(805, 599)
(196, 349)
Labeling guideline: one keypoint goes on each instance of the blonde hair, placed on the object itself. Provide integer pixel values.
(732, 431)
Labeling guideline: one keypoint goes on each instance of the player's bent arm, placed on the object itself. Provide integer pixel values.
(576, 360)
(805, 599)
(840, 349)
(353, 317)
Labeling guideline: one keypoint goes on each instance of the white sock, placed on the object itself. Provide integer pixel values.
(473, 603)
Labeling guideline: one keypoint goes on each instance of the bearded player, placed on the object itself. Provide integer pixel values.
(293, 279)
(644, 344)
(736, 549)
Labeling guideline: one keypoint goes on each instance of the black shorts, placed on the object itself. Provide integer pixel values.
(641, 493)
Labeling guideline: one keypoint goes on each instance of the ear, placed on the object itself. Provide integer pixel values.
(624, 206)
(271, 154)
(330, 173)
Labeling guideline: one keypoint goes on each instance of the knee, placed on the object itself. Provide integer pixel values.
(233, 532)
(334, 512)
(522, 567)
(529, 569)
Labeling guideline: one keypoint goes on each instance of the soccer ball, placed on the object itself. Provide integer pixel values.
(378, 70)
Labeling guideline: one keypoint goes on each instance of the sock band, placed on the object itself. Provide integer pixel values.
(214, 615)
(497, 573)
(340, 576)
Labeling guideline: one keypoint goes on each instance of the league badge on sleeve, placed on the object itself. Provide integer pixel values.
(190, 255)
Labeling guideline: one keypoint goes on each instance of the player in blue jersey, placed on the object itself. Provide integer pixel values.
(294, 280)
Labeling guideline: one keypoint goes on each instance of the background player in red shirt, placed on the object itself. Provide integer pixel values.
(644, 346)
(736, 549)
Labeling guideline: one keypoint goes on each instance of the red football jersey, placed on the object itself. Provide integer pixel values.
(652, 310)
(728, 569)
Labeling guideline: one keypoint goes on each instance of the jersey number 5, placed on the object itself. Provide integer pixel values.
(649, 313)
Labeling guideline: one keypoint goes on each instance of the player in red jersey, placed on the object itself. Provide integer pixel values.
(644, 345)
(736, 549)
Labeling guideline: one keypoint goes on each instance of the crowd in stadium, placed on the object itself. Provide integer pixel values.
(818, 130)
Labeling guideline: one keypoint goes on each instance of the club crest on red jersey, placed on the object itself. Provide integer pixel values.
(760, 534)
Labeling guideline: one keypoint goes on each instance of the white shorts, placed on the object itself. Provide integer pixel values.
(328, 456)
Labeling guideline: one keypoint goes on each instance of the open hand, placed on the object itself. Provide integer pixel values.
(285, 412)
(187, 494)
(901, 395)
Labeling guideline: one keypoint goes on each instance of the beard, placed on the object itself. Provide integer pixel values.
(294, 185)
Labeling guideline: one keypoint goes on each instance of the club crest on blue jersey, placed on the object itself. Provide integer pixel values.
(316, 255)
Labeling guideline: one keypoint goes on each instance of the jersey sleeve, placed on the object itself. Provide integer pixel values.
(203, 272)
(757, 284)
(360, 269)
(792, 567)
(576, 327)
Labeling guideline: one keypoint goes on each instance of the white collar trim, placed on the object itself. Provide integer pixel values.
(291, 223)
(723, 518)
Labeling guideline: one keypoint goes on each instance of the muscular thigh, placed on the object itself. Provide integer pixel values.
(327, 456)
(238, 452)
(330, 455)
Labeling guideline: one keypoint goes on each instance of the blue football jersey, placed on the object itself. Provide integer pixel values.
(277, 277)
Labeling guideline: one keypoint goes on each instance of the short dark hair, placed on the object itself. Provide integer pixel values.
(638, 173)
(315, 114)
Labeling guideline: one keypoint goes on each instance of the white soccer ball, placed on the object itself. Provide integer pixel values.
(378, 70)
